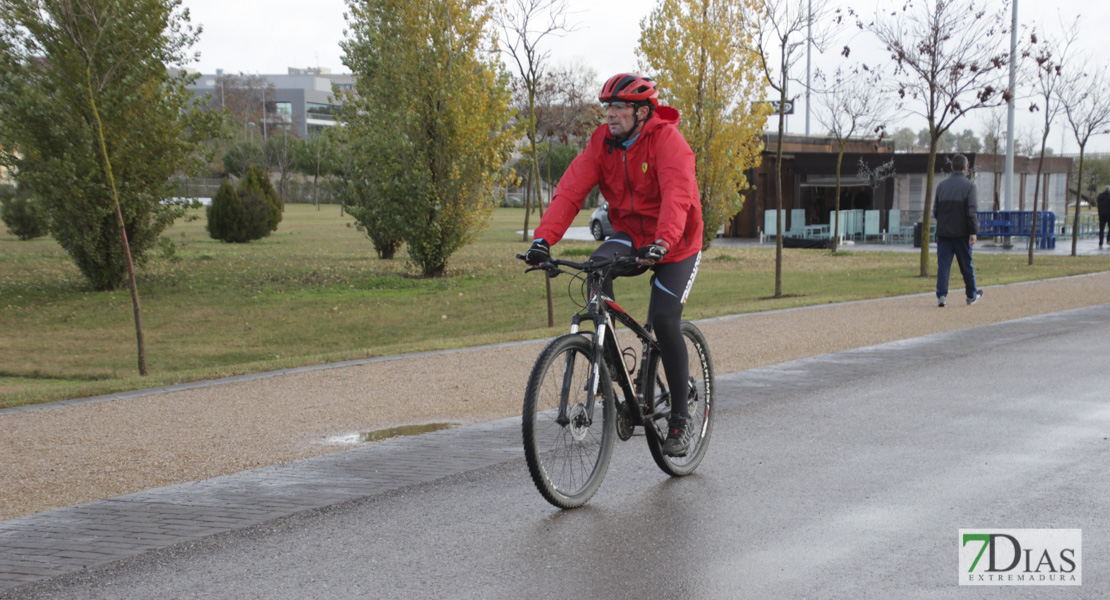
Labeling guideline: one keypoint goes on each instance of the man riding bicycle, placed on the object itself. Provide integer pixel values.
(645, 170)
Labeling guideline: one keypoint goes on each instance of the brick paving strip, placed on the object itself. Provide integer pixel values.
(66, 540)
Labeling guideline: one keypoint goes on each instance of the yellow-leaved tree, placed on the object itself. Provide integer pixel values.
(701, 54)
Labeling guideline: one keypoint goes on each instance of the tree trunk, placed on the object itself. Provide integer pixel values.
(926, 219)
(1078, 199)
(527, 208)
(537, 182)
(550, 190)
(533, 170)
(778, 197)
(836, 221)
(1036, 192)
(122, 225)
(550, 302)
(316, 189)
(284, 198)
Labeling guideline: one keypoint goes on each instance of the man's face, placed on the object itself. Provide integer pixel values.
(622, 117)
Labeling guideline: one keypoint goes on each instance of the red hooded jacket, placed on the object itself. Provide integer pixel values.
(651, 188)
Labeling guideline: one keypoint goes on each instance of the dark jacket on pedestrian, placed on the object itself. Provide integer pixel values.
(1104, 205)
(956, 210)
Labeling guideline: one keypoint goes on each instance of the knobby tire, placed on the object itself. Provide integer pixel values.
(567, 462)
(702, 405)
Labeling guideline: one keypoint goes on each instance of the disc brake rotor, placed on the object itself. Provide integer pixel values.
(579, 422)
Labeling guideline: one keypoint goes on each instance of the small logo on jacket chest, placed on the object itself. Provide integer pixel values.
(643, 167)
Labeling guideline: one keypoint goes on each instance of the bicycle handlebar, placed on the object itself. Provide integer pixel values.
(552, 265)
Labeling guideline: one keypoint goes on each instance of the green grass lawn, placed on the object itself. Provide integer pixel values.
(315, 292)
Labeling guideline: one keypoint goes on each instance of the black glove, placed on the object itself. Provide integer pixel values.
(653, 252)
(538, 253)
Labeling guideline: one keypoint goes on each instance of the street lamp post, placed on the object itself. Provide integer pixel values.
(809, 57)
(1010, 120)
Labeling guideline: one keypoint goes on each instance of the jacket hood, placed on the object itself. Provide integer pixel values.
(664, 115)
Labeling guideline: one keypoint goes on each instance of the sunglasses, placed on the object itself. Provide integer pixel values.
(616, 105)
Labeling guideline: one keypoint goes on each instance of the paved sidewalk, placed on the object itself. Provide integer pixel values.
(68, 540)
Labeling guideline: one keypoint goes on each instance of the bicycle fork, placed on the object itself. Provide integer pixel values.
(593, 382)
(639, 408)
(603, 339)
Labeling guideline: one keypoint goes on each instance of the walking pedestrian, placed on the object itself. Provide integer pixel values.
(1103, 213)
(956, 212)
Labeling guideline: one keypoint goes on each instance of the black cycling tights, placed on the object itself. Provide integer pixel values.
(670, 283)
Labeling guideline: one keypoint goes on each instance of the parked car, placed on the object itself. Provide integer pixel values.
(600, 227)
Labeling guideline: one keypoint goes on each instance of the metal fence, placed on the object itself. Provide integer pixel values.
(297, 190)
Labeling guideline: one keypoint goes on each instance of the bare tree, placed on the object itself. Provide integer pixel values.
(1025, 144)
(318, 155)
(525, 24)
(948, 62)
(1047, 78)
(572, 111)
(781, 35)
(566, 112)
(994, 128)
(850, 107)
(244, 98)
(280, 153)
(1087, 111)
(875, 175)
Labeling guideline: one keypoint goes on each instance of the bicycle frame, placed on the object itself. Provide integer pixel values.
(568, 434)
(602, 311)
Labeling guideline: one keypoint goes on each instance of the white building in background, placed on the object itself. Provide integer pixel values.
(988, 173)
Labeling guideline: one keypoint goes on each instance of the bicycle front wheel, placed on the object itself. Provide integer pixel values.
(568, 431)
(701, 398)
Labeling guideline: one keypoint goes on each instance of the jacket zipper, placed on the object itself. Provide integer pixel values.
(631, 198)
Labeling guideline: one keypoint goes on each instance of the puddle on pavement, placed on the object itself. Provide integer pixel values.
(392, 432)
(404, 430)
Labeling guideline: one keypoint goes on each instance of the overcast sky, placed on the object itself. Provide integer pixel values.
(268, 36)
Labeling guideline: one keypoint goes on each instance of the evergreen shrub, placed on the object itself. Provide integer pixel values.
(225, 214)
(238, 216)
(258, 181)
(23, 215)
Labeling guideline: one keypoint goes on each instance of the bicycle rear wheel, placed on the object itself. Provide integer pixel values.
(702, 402)
(567, 444)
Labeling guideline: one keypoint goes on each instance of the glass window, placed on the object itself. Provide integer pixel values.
(323, 112)
(284, 111)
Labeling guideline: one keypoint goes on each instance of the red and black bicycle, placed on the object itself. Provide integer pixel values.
(572, 411)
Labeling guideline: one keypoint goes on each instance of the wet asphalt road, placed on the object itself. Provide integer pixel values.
(842, 476)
